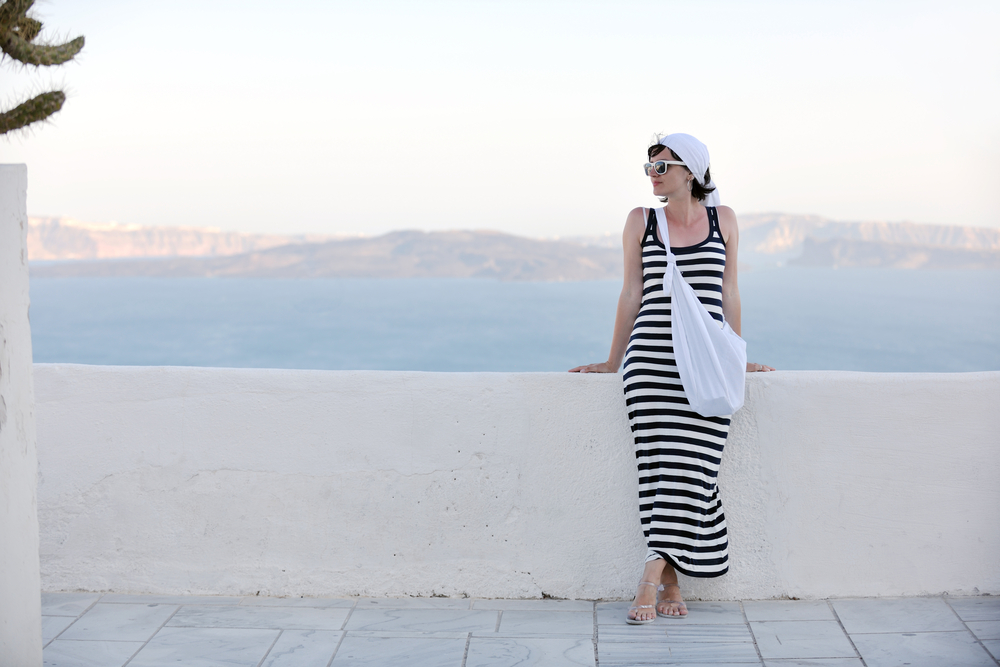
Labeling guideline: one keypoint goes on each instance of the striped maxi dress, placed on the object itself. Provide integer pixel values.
(678, 451)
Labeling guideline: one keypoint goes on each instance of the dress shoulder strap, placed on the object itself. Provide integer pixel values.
(650, 226)
(713, 223)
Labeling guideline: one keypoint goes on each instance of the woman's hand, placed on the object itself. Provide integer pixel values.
(603, 367)
(757, 368)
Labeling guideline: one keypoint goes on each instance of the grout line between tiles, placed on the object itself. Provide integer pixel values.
(162, 625)
(597, 659)
(969, 630)
(847, 634)
(342, 635)
(78, 617)
(465, 656)
(271, 647)
(753, 637)
(347, 619)
(499, 617)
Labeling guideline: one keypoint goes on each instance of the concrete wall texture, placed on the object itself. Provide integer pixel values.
(20, 597)
(319, 483)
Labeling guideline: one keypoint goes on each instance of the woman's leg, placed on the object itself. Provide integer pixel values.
(670, 602)
(646, 595)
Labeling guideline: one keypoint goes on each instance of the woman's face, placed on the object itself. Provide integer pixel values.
(672, 181)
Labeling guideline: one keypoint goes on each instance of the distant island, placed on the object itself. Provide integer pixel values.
(66, 247)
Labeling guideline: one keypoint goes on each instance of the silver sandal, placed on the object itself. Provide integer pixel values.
(636, 621)
(679, 605)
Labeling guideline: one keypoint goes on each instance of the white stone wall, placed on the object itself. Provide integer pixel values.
(234, 481)
(20, 597)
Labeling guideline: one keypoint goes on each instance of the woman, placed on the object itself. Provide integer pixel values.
(678, 450)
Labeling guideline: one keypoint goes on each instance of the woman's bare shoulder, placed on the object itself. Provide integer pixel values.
(635, 223)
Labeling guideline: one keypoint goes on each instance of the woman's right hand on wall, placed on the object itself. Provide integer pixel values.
(603, 367)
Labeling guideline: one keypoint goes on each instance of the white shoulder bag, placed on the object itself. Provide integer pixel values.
(711, 360)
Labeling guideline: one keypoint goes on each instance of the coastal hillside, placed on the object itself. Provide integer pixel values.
(404, 254)
(766, 240)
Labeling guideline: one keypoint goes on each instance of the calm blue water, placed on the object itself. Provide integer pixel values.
(793, 318)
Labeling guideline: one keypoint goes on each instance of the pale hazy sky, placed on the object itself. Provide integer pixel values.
(529, 117)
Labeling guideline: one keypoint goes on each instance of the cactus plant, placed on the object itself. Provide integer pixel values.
(17, 41)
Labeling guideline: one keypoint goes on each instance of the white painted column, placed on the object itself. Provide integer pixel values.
(20, 599)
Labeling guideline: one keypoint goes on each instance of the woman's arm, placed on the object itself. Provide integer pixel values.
(631, 296)
(731, 307)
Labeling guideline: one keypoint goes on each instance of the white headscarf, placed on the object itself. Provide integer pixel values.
(695, 155)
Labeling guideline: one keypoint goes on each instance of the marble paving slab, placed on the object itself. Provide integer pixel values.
(922, 649)
(985, 629)
(205, 647)
(304, 648)
(981, 608)
(298, 618)
(357, 651)
(78, 653)
(802, 639)
(535, 605)
(668, 632)
(170, 599)
(67, 604)
(621, 653)
(511, 652)
(423, 620)
(120, 622)
(323, 603)
(414, 603)
(517, 621)
(896, 615)
(53, 625)
(788, 610)
(816, 662)
(993, 646)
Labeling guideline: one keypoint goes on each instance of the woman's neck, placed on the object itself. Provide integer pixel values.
(684, 210)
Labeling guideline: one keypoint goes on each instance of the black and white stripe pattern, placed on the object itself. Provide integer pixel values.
(677, 450)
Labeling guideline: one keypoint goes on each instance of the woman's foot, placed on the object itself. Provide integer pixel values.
(671, 603)
(643, 610)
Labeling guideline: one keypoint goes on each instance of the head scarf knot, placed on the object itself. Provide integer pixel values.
(695, 155)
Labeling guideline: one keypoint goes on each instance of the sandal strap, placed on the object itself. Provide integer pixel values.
(642, 606)
(648, 583)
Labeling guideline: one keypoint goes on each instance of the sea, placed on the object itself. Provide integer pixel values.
(890, 320)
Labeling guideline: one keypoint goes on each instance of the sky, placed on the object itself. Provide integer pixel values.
(527, 117)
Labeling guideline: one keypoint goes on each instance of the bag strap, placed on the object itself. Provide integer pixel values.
(671, 267)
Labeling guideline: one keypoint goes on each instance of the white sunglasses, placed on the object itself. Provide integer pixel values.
(660, 166)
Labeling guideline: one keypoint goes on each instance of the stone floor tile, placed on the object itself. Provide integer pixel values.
(414, 603)
(303, 648)
(985, 629)
(511, 652)
(710, 613)
(922, 649)
(896, 615)
(323, 603)
(423, 620)
(170, 599)
(120, 622)
(817, 662)
(357, 651)
(547, 622)
(76, 653)
(67, 604)
(287, 618)
(788, 610)
(535, 605)
(993, 646)
(404, 634)
(53, 625)
(622, 653)
(801, 639)
(667, 631)
(205, 647)
(979, 608)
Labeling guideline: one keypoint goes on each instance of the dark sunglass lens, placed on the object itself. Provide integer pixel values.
(660, 166)
(646, 167)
